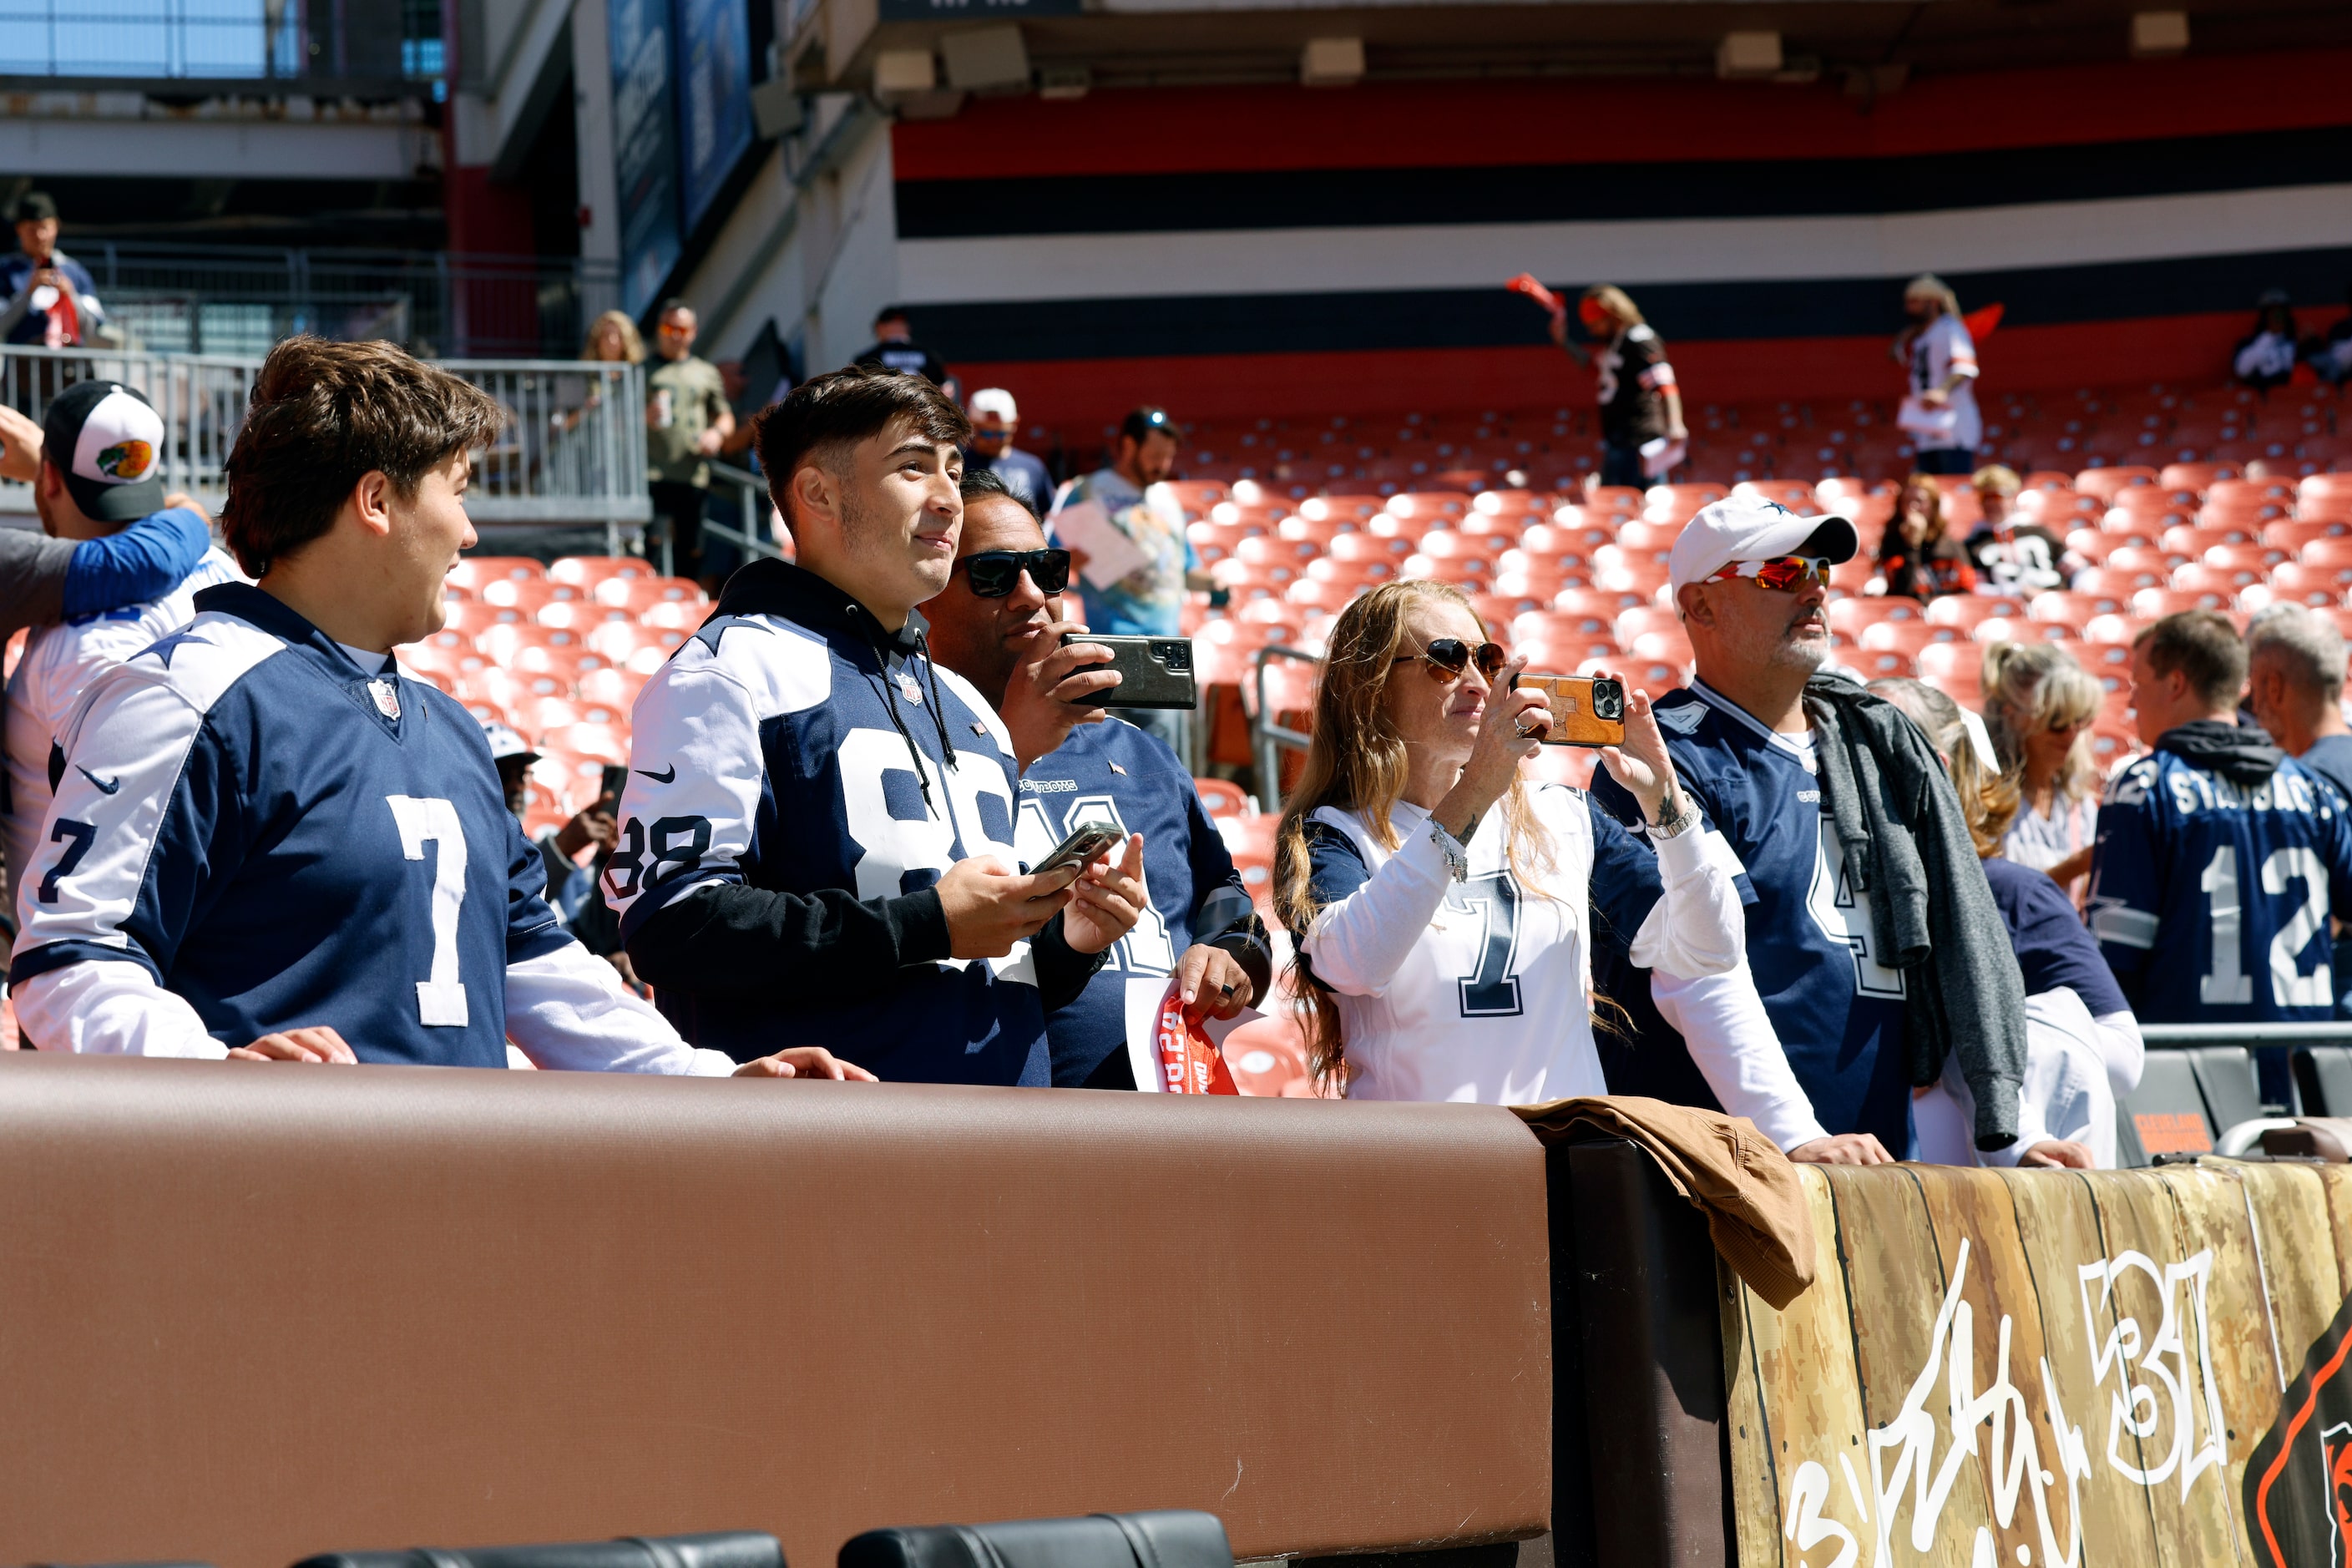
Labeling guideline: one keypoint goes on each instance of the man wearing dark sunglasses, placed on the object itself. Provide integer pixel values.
(999, 625)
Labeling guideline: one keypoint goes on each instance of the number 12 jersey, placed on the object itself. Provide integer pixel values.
(2210, 898)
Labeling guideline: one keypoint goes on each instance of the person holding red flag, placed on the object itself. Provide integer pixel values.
(52, 300)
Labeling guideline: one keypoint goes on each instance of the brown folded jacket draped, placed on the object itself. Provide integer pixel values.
(1755, 1207)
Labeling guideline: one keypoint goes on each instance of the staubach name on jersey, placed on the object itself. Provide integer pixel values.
(767, 754)
(285, 839)
(2211, 899)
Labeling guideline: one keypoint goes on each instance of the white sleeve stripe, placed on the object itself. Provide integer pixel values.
(2125, 927)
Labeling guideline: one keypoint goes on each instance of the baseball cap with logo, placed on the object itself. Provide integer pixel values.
(1750, 528)
(995, 401)
(505, 742)
(107, 441)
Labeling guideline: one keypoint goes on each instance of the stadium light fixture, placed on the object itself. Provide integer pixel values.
(1332, 62)
(1752, 54)
(986, 57)
(2159, 32)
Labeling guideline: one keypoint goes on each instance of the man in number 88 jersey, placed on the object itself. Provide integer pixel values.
(264, 842)
(2219, 859)
(817, 834)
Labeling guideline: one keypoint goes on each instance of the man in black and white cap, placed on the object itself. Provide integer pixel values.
(1815, 1039)
(102, 445)
(570, 886)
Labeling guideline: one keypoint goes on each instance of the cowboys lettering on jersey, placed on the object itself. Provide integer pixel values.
(1116, 774)
(257, 830)
(1837, 1010)
(801, 778)
(2213, 880)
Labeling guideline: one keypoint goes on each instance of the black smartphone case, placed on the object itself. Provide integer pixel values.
(1167, 1538)
(1154, 672)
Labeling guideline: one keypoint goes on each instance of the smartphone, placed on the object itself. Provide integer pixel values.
(1086, 841)
(617, 778)
(1153, 672)
(1586, 709)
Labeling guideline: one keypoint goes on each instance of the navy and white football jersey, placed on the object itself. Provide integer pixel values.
(792, 747)
(1477, 990)
(1837, 1010)
(286, 839)
(1114, 772)
(2210, 900)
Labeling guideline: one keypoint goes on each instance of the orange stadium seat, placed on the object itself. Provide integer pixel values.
(587, 571)
(1966, 610)
(1221, 798)
(1955, 668)
(1906, 637)
(2317, 587)
(2154, 603)
(638, 595)
(472, 572)
(1848, 616)
(2291, 534)
(2026, 629)
(1623, 499)
(2105, 482)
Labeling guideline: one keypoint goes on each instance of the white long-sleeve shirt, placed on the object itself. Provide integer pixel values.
(1481, 990)
(565, 1009)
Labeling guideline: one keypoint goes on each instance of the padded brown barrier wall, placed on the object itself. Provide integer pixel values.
(249, 1311)
(2059, 1369)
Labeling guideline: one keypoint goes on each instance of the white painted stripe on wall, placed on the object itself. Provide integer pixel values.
(1692, 250)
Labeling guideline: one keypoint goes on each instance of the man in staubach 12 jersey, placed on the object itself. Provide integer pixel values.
(2220, 858)
(817, 834)
(94, 484)
(1873, 944)
(266, 843)
(999, 625)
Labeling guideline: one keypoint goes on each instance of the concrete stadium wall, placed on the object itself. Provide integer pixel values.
(251, 1314)
(1292, 251)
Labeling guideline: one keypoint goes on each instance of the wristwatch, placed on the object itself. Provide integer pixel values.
(1676, 816)
(1457, 858)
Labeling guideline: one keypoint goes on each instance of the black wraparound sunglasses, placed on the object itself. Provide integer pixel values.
(993, 573)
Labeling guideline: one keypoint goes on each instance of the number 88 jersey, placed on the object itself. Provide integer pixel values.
(2210, 898)
(286, 839)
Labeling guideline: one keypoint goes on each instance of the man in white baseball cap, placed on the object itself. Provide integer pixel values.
(570, 885)
(1803, 1058)
(98, 487)
(995, 421)
(1813, 1039)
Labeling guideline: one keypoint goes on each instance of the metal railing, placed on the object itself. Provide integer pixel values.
(574, 452)
(1268, 739)
(753, 532)
(241, 299)
(257, 40)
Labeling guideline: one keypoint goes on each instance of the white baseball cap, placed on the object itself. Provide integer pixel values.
(996, 401)
(1750, 528)
(108, 440)
(505, 742)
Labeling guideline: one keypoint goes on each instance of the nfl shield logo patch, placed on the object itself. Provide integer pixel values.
(387, 697)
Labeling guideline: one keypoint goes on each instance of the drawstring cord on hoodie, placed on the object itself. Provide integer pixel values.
(939, 716)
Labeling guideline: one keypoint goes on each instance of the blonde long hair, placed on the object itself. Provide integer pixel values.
(1357, 763)
(633, 343)
(1989, 796)
(2037, 685)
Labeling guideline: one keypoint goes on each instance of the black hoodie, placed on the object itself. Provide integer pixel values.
(784, 829)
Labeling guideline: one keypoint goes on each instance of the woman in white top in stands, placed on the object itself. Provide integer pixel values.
(1444, 909)
(2039, 707)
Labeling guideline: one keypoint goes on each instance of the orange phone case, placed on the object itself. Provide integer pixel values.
(1572, 724)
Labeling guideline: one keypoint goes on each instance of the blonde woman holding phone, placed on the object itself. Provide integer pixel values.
(1444, 908)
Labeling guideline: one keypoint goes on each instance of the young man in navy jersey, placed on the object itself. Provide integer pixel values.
(2220, 858)
(264, 842)
(1807, 1039)
(817, 834)
(999, 626)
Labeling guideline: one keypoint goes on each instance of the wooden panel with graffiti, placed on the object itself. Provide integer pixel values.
(2052, 1370)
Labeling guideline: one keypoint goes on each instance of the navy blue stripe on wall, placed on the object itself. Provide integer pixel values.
(1338, 198)
(1494, 317)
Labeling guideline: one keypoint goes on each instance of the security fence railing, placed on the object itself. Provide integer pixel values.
(573, 452)
(241, 299)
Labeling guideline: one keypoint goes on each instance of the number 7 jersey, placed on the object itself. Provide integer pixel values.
(285, 839)
(2210, 900)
